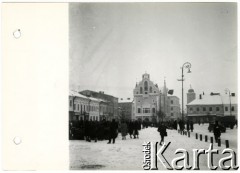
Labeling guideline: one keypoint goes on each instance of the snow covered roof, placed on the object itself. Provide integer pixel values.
(75, 93)
(213, 100)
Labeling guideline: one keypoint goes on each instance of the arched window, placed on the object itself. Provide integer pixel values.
(141, 90)
(150, 90)
(145, 86)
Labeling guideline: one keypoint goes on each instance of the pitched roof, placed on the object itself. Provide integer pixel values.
(75, 93)
(213, 100)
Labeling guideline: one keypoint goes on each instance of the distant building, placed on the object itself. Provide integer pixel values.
(82, 107)
(149, 100)
(146, 99)
(207, 107)
(191, 95)
(109, 107)
(173, 108)
(170, 105)
(125, 109)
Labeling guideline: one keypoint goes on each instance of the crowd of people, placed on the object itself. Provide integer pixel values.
(108, 130)
(103, 130)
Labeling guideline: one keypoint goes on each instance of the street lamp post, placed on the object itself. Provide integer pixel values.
(186, 65)
(229, 94)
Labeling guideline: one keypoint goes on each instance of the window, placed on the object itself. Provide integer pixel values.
(172, 114)
(150, 90)
(171, 101)
(70, 103)
(139, 110)
(204, 109)
(217, 109)
(232, 108)
(84, 108)
(74, 106)
(190, 109)
(146, 110)
(78, 106)
(226, 108)
(145, 86)
(171, 108)
(210, 108)
(145, 92)
(154, 91)
(153, 101)
(153, 110)
(81, 108)
(137, 92)
(197, 109)
(141, 90)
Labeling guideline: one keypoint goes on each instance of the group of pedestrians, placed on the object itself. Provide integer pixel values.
(188, 125)
(163, 126)
(103, 130)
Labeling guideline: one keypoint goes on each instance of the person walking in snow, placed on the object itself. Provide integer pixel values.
(123, 130)
(163, 132)
(135, 129)
(216, 131)
(113, 131)
(130, 128)
(191, 126)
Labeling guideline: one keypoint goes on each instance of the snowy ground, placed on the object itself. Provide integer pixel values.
(230, 134)
(128, 155)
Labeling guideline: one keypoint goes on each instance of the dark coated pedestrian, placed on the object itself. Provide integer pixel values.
(163, 132)
(135, 129)
(130, 128)
(191, 126)
(216, 131)
(113, 131)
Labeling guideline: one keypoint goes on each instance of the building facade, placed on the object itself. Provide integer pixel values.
(125, 109)
(149, 101)
(173, 112)
(146, 99)
(82, 107)
(108, 105)
(207, 108)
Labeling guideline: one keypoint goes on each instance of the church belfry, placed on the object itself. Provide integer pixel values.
(191, 95)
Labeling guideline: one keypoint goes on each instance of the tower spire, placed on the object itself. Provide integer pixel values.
(165, 87)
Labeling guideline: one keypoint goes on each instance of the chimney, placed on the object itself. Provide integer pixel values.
(200, 96)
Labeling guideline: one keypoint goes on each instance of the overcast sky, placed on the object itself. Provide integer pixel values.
(113, 44)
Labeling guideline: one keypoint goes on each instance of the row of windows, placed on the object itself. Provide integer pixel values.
(146, 110)
(94, 118)
(210, 109)
(226, 108)
(205, 109)
(146, 89)
(84, 108)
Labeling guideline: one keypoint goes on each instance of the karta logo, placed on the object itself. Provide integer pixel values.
(152, 155)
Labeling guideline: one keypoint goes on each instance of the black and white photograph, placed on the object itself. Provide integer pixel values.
(153, 86)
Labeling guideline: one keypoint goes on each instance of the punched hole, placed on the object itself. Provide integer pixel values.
(17, 140)
(17, 33)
